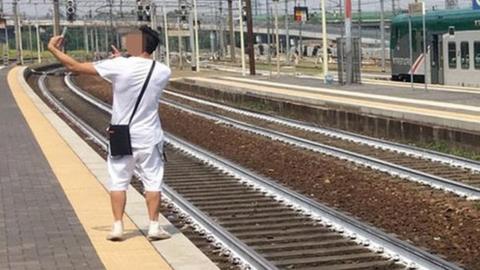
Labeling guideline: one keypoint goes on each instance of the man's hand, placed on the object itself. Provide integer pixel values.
(115, 52)
(54, 46)
(55, 43)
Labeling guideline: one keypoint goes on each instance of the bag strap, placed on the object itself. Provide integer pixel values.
(145, 84)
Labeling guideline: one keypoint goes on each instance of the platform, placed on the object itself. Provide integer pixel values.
(54, 208)
(446, 106)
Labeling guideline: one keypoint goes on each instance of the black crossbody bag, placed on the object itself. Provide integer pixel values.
(119, 135)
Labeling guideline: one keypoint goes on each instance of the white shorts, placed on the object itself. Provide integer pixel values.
(148, 162)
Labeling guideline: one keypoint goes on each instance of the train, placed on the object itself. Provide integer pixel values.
(453, 47)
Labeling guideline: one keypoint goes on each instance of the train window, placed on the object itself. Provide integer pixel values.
(452, 55)
(476, 54)
(464, 55)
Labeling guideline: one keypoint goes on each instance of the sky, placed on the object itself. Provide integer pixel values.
(27, 7)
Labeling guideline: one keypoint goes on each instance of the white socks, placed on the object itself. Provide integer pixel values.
(153, 228)
(117, 227)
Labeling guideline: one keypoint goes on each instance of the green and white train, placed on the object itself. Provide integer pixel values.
(453, 42)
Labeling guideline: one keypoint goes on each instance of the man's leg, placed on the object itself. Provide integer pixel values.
(153, 204)
(120, 170)
(118, 200)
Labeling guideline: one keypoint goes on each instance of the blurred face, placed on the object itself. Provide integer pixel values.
(134, 43)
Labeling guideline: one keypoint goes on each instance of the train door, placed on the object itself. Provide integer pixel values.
(436, 59)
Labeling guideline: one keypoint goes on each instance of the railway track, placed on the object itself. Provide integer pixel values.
(455, 174)
(253, 216)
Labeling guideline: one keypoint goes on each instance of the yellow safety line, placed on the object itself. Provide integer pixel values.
(87, 196)
(350, 101)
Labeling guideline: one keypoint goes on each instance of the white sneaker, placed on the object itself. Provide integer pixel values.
(117, 232)
(156, 232)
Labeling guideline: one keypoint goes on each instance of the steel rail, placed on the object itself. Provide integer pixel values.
(364, 234)
(345, 135)
(237, 247)
(363, 160)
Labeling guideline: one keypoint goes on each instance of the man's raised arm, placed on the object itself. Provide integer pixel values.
(70, 63)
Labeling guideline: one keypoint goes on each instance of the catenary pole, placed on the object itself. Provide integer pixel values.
(56, 18)
(232, 31)
(30, 41)
(287, 32)
(382, 32)
(37, 32)
(324, 41)
(348, 41)
(197, 47)
(410, 48)
(180, 54)
(277, 40)
(250, 38)
(425, 52)
(18, 33)
(242, 43)
(165, 26)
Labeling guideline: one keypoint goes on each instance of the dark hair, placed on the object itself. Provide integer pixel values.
(150, 39)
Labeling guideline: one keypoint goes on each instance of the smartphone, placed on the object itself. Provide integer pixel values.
(64, 31)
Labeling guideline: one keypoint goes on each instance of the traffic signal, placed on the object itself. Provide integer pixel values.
(71, 9)
(147, 12)
(139, 10)
(244, 10)
(183, 11)
(143, 10)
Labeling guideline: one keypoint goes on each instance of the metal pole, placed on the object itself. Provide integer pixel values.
(212, 44)
(359, 35)
(242, 44)
(300, 51)
(382, 33)
(393, 7)
(277, 41)
(425, 52)
(85, 37)
(324, 42)
(39, 55)
(56, 18)
(30, 42)
(410, 48)
(165, 26)
(153, 25)
(18, 33)
(222, 30)
(348, 41)
(180, 59)
(287, 33)
(232, 31)
(121, 9)
(6, 49)
(97, 47)
(250, 38)
(107, 43)
(196, 34)
(269, 41)
(110, 3)
(192, 41)
(360, 21)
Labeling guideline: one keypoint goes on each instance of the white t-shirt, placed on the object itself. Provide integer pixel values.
(127, 76)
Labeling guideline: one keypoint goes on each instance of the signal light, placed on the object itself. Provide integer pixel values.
(143, 10)
(71, 10)
(183, 12)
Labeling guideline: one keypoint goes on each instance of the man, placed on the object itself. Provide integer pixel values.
(127, 76)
